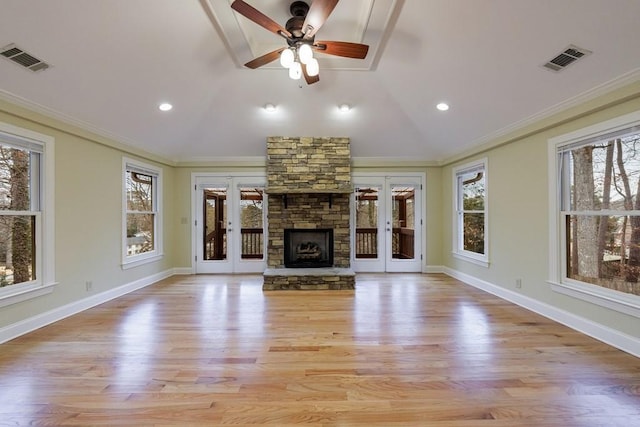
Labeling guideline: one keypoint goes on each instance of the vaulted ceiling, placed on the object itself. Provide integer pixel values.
(112, 62)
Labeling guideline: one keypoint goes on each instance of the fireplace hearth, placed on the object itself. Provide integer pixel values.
(308, 248)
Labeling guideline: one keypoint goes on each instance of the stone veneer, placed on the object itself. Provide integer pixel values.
(308, 211)
(308, 186)
(308, 165)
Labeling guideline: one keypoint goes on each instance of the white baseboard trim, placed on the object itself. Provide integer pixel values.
(433, 269)
(182, 271)
(38, 321)
(595, 330)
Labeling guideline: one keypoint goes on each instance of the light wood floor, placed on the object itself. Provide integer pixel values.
(401, 350)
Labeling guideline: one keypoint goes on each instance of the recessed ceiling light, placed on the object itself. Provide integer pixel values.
(344, 108)
(270, 107)
(165, 106)
(442, 106)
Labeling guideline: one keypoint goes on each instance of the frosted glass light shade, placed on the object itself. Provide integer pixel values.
(313, 68)
(287, 58)
(295, 72)
(305, 53)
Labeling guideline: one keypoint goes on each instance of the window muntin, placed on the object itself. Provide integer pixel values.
(600, 210)
(142, 231)
(471, 211)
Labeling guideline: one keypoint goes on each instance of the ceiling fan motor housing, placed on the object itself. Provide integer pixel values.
(294, 25)
(299, 8)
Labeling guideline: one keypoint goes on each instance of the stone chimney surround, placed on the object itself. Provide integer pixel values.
(308, 187)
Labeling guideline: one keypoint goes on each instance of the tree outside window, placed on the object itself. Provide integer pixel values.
(600, 210)
(471, 211)
(141, 229)
(140, 213)
(17, 222)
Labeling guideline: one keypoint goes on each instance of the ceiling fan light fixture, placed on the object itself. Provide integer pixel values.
(295, 72)
(313, 68)
(299, 32)
(287, 58)
(305, 53)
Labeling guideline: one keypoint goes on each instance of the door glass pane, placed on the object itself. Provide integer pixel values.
(251, 222)
(403, 214)
(215, 219)
(367, 222)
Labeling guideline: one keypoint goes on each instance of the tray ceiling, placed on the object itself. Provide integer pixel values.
(358, 21)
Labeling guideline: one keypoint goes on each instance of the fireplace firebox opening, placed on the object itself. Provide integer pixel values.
(308, 248)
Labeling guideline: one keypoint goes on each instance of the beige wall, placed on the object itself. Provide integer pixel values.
(88, 220)
(518, 214)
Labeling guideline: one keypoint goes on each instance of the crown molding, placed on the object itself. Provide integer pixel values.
(68, 124)
(404, 162)
(517, 129)
(227, 162)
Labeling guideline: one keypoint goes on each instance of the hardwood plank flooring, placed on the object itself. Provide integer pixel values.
(400, 350)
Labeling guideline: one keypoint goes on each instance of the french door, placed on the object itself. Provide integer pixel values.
(229, 227)
(387, 223)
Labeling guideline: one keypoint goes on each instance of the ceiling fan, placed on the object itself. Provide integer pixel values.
(300, 32)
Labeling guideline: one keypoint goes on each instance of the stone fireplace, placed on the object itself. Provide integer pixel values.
(308, 190)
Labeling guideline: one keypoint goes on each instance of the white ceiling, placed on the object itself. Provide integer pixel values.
(114, 61)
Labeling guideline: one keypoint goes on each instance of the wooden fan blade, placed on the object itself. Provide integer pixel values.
(259, 18)
(264, 59)
(345, 49)
(310, 79)
(318, 13)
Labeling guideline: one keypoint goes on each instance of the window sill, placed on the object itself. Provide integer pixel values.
(10, 296)
(141, 261)
(614, 300)
(471, 259)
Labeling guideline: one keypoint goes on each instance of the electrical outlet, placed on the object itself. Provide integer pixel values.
(89, 285)
(518, 283)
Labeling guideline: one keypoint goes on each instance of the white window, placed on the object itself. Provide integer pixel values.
(595, 219)
(142, 226)
(470, 225)
(26, 214)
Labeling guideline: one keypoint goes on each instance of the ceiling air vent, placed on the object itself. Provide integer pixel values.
(569, 56)
(21, 57)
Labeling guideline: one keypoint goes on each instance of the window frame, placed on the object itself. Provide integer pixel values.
(558, 280)
(42, 208)
(131, 261)
(479, 165)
